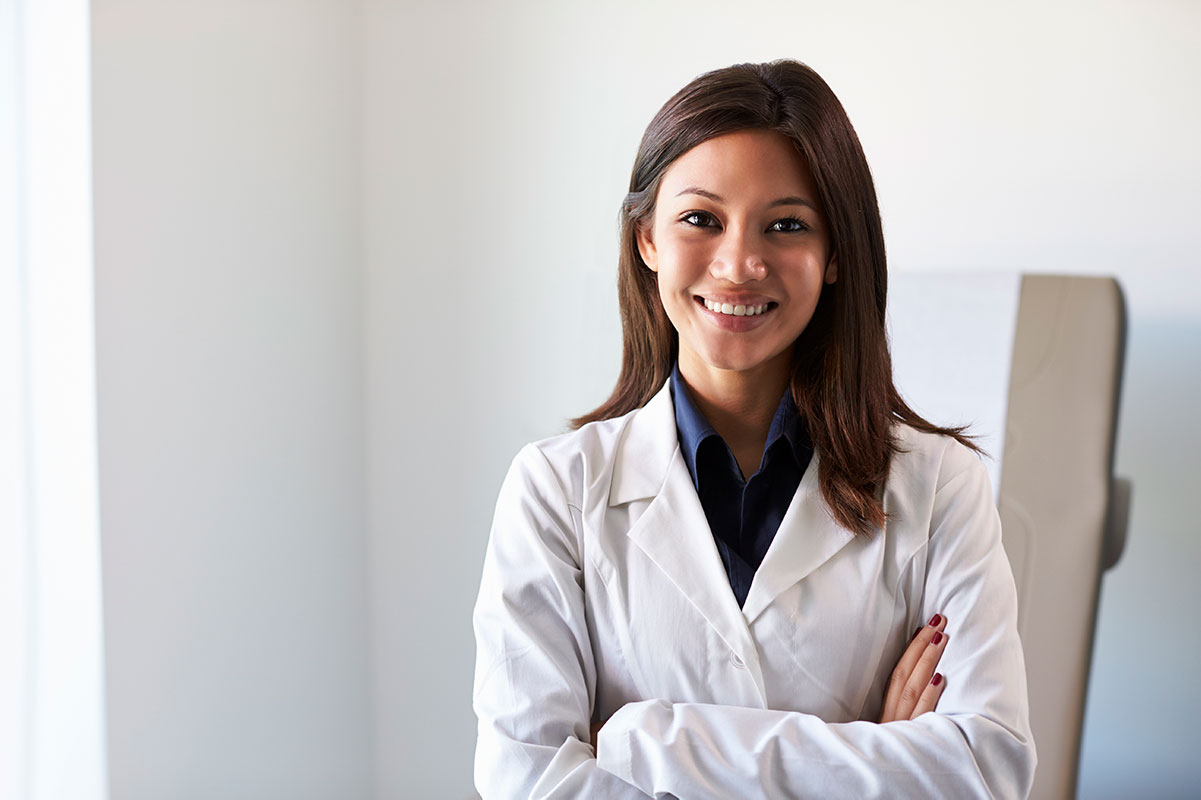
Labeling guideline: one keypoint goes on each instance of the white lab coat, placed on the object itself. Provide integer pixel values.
(603, 597)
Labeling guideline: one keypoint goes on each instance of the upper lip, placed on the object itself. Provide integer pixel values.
(736, 299)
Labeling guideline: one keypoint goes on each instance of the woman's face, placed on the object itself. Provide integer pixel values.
(740, 244)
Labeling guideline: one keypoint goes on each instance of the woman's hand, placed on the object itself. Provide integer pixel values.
(915, 687)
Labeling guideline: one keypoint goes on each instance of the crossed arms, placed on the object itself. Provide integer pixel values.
(536, 682)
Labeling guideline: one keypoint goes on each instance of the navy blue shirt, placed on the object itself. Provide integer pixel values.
(743, 515)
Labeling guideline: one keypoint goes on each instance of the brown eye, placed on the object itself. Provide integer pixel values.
(698, 219)
(789, 225)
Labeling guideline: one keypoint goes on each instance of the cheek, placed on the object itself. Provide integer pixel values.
(683, 262)
(674, 296)
(806, 307)
(694, 250)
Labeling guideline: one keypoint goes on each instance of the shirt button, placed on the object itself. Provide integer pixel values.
(736, 661)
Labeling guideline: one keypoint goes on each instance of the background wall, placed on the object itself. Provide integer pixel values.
(271, 176)
(230, 374)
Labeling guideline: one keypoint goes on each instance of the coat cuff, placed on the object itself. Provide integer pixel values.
(616, 741)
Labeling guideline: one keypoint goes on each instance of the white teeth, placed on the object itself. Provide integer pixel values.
(735, 310)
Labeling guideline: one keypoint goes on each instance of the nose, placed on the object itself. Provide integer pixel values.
(739, 257)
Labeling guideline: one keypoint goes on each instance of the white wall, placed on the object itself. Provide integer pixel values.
(51, 636)
(229, 339)
(499, 137)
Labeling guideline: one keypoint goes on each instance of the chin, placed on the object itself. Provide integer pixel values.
(738, 362)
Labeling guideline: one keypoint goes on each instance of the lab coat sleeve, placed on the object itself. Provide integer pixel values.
(535, 677)
(976, 744)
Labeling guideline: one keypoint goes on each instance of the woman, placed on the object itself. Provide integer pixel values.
(710, 587)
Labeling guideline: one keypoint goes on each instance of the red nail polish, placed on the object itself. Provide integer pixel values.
(937, 637)
(937, 679)
(937, 618)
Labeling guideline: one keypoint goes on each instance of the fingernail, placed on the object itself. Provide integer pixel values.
(937, 637)
(937, 679)
(937, 618)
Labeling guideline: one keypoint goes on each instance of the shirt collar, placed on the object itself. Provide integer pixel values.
(694, 429)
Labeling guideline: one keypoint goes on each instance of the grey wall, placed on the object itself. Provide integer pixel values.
(230, 374)
(1145, 749)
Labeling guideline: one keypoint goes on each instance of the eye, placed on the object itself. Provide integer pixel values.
(789, 225)
(699, 219)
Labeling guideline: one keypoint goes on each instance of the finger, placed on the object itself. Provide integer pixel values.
(904, 668)
(900, 677)
(930, 695)
(595, 732)
(923, 673)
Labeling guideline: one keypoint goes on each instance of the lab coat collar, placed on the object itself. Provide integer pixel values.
(648, 445)
(675, 534)
(807, 538)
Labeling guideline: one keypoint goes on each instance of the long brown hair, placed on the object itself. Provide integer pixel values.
(841, 369)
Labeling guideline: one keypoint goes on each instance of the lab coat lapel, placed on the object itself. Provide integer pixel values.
(673, 530)
(807, 538)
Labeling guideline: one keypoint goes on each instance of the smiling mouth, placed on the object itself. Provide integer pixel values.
(736, 310)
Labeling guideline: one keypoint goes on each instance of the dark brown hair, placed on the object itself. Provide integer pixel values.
(841, 369)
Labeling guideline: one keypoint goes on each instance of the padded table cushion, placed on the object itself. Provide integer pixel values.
(1055, 497)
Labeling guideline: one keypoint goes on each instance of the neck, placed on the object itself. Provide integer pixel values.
(739, 405)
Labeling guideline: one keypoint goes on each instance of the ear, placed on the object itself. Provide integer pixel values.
(831, 270)
(646, 246)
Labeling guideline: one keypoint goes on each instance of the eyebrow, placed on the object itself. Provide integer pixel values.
(791, 200)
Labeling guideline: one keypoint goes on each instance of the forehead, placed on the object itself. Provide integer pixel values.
(741, 165)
